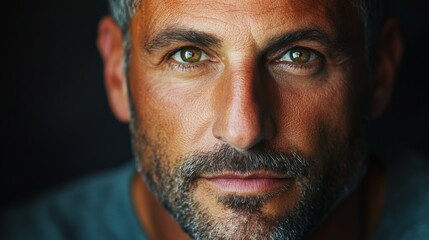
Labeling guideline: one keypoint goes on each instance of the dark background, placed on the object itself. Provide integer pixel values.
(56, 125)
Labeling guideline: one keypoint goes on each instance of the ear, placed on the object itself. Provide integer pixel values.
(110, 46)
(387, 58)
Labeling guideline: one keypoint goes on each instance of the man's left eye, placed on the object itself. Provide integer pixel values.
(189, 55)
(299, 55)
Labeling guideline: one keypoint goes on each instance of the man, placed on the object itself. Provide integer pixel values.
(248, 121)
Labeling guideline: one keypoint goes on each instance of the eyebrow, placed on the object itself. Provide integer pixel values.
(305, 34)
(174, 34)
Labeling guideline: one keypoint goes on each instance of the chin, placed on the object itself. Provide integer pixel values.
(222, 200)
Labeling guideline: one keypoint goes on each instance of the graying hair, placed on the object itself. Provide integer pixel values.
(122, 11)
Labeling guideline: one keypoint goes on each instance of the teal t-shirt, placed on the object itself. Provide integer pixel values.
(405, 215)
(100, 207)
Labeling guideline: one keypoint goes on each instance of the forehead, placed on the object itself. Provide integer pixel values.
(248, 20)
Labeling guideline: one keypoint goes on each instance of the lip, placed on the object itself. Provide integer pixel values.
(248, 183)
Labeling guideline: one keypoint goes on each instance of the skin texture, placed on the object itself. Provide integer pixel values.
(245, 95)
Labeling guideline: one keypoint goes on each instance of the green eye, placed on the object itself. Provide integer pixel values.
(190, 55)
(299, 55)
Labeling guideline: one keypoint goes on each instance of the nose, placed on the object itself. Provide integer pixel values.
(243, 116)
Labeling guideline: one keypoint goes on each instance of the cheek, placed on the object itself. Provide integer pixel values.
(314, 118)
(178, 114)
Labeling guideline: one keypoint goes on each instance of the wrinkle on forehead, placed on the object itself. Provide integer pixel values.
(247, 20)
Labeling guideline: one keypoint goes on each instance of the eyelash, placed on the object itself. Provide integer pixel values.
(184, 67)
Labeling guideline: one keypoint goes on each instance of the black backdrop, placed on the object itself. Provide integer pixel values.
(56, 125)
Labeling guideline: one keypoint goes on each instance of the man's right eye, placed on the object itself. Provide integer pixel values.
(190, 55)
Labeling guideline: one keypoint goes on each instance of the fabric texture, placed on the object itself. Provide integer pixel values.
(405, 215)
(98, 207)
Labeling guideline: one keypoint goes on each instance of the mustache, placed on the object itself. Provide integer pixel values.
(292, 163)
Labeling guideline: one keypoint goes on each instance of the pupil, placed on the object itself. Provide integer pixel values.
(301, 56)
(296, 54)
(189, 54)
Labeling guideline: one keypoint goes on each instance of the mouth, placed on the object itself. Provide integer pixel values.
(248, 183)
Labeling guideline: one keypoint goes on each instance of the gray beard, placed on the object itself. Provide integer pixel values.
(173, 186)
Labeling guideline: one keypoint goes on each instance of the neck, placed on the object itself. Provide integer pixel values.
(345, 222)
(357, 216)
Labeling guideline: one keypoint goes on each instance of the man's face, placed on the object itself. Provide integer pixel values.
(248, 115)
